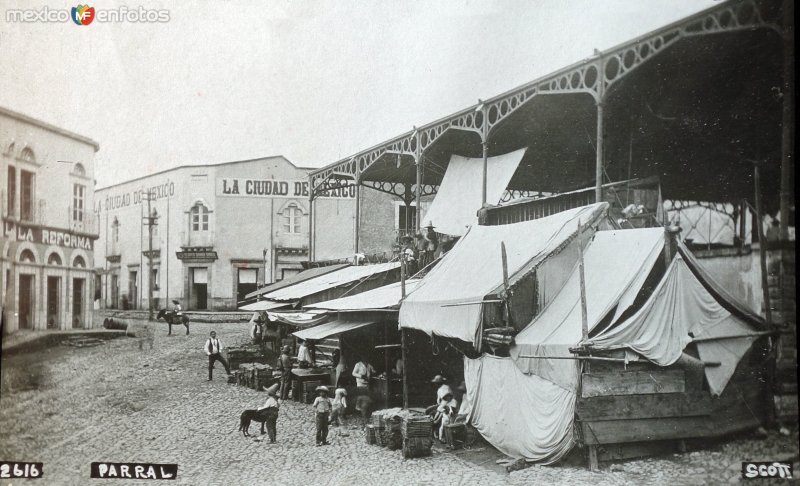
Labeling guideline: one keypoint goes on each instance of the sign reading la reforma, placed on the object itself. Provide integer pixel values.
(47, 236)
(289, 188)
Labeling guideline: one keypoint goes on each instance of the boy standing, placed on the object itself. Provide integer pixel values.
(270, 410)
(322, 409)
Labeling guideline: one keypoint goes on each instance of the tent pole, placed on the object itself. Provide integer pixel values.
(403, 352)
(584, 314)
(762, 244)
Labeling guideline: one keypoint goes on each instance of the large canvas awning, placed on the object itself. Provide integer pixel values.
(295, 279)
(460, 195)
(448, 301)
(330, 280)
(263, 305)
(386, 297)
(330, 328)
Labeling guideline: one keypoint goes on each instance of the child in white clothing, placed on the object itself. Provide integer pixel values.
(338, 406)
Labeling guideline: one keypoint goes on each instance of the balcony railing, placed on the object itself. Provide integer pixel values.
(618, 194)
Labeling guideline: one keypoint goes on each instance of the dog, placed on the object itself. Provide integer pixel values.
(251, 416)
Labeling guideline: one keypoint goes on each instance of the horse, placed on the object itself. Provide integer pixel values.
(172, 318)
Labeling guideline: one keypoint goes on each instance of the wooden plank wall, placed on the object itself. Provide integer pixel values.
(656, 407)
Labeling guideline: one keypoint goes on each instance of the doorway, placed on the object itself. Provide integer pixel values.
(77, 302)
(26, 300)
(247, 282)
(133, 290)
(199, 288)
(53, 302)
(114, 291)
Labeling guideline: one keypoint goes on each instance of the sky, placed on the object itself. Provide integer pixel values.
(312, 80)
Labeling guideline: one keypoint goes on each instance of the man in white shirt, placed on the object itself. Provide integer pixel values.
(362, 372)
(213, 349)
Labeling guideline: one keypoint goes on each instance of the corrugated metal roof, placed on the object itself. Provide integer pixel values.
(381, 298)
(330, 280)
(294, 279)
(329, 329)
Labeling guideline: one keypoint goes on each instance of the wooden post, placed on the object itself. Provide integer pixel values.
(787, 117)
(594, 465)
(403, 353)
(762, 242)
(584, 315)
(504, 258)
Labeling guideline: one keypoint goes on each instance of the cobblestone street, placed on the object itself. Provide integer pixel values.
(67, 407)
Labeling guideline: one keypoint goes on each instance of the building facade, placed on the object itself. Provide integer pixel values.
(220, 231)
(49, 230)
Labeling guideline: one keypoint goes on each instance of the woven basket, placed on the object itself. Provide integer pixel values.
(417, 426)
(391, 439)
(417, 447)
(369, 432)
(379, 436)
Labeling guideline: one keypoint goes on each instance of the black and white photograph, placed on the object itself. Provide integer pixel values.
(361, 242)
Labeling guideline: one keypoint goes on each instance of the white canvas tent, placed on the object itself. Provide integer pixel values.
(543, 388)
(447, 302)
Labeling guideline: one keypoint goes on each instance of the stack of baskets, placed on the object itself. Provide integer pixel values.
(378, 428)
(417, 440)
(369, 431)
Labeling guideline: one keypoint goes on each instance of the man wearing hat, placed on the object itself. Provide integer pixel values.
(322, 409)
(270, 410)
(285, 367)
(213, 349)
(433, 242)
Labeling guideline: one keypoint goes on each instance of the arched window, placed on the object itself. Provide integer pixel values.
(79, 170)
(199, 217)
(27, 256)
(292, 218)
(27, 155)
(54, 259)
(79, 262)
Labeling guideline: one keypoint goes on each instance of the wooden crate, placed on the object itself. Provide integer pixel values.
(417, 447)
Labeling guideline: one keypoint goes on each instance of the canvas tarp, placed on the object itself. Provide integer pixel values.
(297, 278)
(385, 297)
(330, 328)
(300, 319)
(330, 280)
(616, 263)
(460, 195)
(680, 311)
(447, 302)
(263, 305)
(523, 416)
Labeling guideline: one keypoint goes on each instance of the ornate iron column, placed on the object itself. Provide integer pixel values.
(598, 169)
(418, 162)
